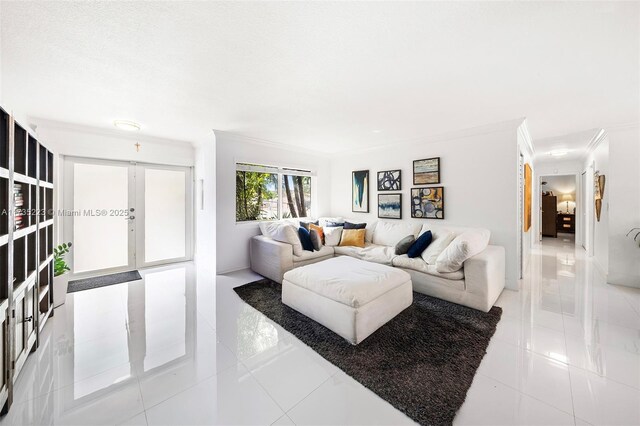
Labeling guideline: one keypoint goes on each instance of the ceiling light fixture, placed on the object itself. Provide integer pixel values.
(377, 131)
(558, 152)
(129, 126)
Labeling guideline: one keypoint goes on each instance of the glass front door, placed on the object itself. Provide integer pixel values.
(121, 216)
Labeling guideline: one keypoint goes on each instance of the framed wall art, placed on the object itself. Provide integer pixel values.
(360, 191)
(390, 206)
(389, 180)
(427, 171)
(427, 203)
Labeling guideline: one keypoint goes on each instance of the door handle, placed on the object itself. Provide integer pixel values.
(129, 218)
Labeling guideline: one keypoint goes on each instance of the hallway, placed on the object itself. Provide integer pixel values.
(567, 339)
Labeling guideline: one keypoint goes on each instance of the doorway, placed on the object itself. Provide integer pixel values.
(559, 208)
(123, 215)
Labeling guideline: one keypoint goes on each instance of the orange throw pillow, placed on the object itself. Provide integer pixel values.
(319, 230)
(352, 237)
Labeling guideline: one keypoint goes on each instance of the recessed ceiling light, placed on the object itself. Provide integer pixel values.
(377, 131)
(129, 126)
(558, 152)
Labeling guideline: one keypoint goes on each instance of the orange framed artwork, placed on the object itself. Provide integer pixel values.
(527, 198)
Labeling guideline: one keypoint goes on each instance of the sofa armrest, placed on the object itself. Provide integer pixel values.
(484, 274)
(270, 258)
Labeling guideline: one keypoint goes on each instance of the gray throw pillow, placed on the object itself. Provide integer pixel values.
(315, 240)
(403, 245)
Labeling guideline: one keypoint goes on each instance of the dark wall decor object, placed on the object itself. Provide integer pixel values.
(390, 206)
(360, 191)
(389, 180)
(427, 171)
(427, 203)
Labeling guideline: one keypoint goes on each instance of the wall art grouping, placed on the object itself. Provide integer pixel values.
(427, 171)
(389, 180)
(360, 191)
(390, 206)
(427, 203)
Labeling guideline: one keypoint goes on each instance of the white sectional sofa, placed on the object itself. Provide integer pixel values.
(477, 284)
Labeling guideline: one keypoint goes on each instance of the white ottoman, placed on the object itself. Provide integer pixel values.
(351, 297)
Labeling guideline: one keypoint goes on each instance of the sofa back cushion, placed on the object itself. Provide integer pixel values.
(464, 246)
(324, 220)
(284, 232)
(390, 233)
(440, 240)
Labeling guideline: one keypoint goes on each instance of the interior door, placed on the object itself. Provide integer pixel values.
(125, 215)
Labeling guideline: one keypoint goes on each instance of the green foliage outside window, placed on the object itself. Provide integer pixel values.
(256, 196)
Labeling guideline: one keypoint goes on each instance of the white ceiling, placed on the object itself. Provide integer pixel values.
(575, 144)
(324, 74)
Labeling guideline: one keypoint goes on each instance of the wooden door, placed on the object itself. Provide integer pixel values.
(549, 212)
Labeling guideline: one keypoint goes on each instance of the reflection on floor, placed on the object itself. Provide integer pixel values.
(177, 349)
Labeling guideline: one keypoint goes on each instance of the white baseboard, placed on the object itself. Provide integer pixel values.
(229, 271)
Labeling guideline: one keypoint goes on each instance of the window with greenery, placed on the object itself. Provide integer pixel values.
(271, 193)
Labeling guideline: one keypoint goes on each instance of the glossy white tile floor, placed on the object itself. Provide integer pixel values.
(177, 348)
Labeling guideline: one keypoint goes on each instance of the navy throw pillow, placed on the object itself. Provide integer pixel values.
(305, 239)
(420, 245)
(349, 225)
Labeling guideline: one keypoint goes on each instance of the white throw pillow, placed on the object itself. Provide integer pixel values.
(332, 236)
(464, 246)
(441, 239)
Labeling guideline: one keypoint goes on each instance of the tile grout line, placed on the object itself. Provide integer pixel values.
(573, 403)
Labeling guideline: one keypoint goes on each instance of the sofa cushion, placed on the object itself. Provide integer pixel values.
(464, 246)
(370, 228)
(389, 233)
(420, 245)
(440, 240)
(347, 280)
(370, 253)
(403, 245)
(332, 236)
(284, 232)
(418, 264)
(305, 239)
(308, 255)
(352, 237)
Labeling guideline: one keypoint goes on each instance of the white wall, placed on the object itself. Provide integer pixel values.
(478, 171)
(205, 205)
(622, 193)
(598, 160)
(233, 239)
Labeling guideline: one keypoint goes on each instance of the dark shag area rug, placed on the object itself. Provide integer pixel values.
(102, 281)
(422, 362)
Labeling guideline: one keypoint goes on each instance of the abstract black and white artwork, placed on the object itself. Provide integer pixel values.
(360, 191)
(389, 180)
(390, 206)
(427, 203)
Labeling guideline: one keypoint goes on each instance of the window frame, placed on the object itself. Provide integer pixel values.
(280, 171)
